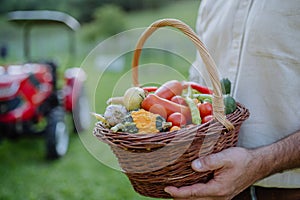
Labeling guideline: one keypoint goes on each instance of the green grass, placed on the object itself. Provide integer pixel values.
(185, 10)
(25, 174)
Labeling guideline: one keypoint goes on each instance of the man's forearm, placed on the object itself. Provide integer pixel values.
(277, 157)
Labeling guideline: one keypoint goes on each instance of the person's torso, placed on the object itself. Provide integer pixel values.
(256, 44)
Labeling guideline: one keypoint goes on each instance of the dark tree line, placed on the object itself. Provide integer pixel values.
(81, 9)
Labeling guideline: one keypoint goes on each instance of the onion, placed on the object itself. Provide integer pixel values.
(133, 98)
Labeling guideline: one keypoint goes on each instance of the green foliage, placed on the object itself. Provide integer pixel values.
(81, 9)
(8, 30)
(109, 20)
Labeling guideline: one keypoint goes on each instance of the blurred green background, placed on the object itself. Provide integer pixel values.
(24, 172)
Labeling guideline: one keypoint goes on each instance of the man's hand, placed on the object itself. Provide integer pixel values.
(237, 168)
(234, 170)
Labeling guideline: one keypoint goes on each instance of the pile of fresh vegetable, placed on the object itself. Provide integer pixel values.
(172, 106)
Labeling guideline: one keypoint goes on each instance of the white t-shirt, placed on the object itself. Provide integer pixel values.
(256, 44)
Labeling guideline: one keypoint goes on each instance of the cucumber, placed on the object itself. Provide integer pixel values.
(230, 104)
(226, 85)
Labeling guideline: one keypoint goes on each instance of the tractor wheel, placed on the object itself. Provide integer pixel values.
(81, 113)
(57, 134)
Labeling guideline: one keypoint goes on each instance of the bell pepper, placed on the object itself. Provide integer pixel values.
(196, 86)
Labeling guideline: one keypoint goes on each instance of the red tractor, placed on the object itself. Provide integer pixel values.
(31, 103)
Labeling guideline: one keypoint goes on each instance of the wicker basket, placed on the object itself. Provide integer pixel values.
(154, 161)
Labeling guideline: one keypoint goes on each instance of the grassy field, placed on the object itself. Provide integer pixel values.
(25, 174)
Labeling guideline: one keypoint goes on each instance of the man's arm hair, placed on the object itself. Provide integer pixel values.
(278, 157)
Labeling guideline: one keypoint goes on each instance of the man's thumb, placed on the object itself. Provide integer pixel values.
(208, 163)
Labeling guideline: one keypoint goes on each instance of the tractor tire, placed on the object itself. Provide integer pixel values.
(81, 113)
(57, 134)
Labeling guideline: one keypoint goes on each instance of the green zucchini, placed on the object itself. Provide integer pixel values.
(226, 85)
(230, 104)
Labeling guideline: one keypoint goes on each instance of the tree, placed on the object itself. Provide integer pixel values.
(109, 20)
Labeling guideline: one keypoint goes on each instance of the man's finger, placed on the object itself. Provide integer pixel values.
(196, 190)
(210, 162)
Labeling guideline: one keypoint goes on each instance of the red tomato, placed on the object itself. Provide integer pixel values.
(204, 109)
(158, 109)
(177, 119)
(207, 118)
(179, 99)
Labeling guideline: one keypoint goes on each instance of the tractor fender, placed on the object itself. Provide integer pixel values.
(74, 81)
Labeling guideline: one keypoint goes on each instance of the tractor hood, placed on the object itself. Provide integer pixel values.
(12, 76)
(10, 79)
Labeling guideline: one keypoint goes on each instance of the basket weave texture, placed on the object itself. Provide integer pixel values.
(156, 160)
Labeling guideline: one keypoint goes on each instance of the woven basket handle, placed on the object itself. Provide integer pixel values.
(217, 103)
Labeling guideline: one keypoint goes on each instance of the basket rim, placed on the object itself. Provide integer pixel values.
(156, 140)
